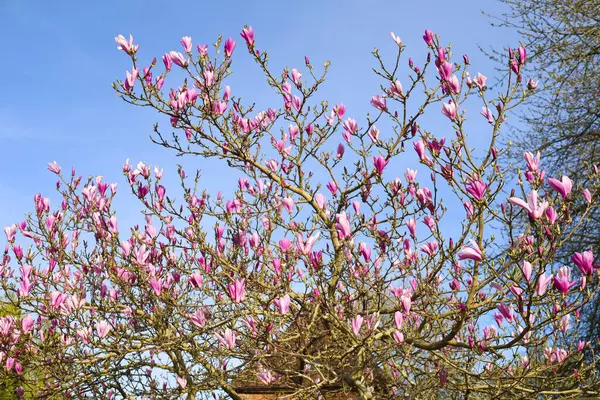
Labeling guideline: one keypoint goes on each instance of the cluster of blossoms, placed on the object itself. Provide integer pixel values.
(316, 271)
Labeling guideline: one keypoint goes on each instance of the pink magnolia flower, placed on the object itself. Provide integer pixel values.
(11, 232)
(444, 68)
(339, 110)
(587, 195)
(283, 304)
(565, 323)
(430, 222)
(398, 319)
(419, 149)
(296, 76)
(533, 162)
(487, 114)
(228, 339)
(343, 226)
(127, 46)
(27, 324)
(130, 79)
(182, 382)
(365, 251)
(398, 336)
(480, 80)
(411, 224)
(477, 188)
(219, 107)
(357, 324)
(534, 208)
(196, 279)
(57, 299)
(396, 39)
(469, 208)
(297, 103)
(564, 186)
(380, 163)
(471, 253)
(186, 42)
(248, 35)
(306, 248)
(527, 269)
(168, 61)
(522, 55)
(498, 318)
(102, 329)
(410, 175)
(506, 311)
(198, 318)
(406, 300)
(178, 59)
(584, 261)
(379, 103)
(350, 125)
(453, 84)
(285, 244)
(562, 280)
(542, 285)
(532, 84)
(356, 207)
(428, 37)
(450, 110)
(209, 77)
(156, 284)
(54, 167)
(320, 200)
(229, 47)
(237, 290)
(288, 204)
(24, 287)
(265, 376)
(340, 151)
(430, 248)
(396, 88)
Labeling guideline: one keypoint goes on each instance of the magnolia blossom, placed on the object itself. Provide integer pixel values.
(125, 45)
(527, 269)
(283, 304)
(564, 186)
(471, 253)
(229, 47)
(248, 35)
(343, 226)
(542, 285)
(585, 262)
(179, 59)
(380, 163)
(562, 280)
(237, 290)
(227, 339)
(480, 80)
(450, 110)
(379, 103)
(506, 311)
(534, 208)
(356, 324)
(102, 329)
(186, 42)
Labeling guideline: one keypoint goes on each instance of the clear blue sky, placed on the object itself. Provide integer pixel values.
(60, 59)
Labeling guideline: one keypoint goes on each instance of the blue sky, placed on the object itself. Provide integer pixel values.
(60, 59)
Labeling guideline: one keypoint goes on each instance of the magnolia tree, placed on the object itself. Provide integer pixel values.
(328, 270)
